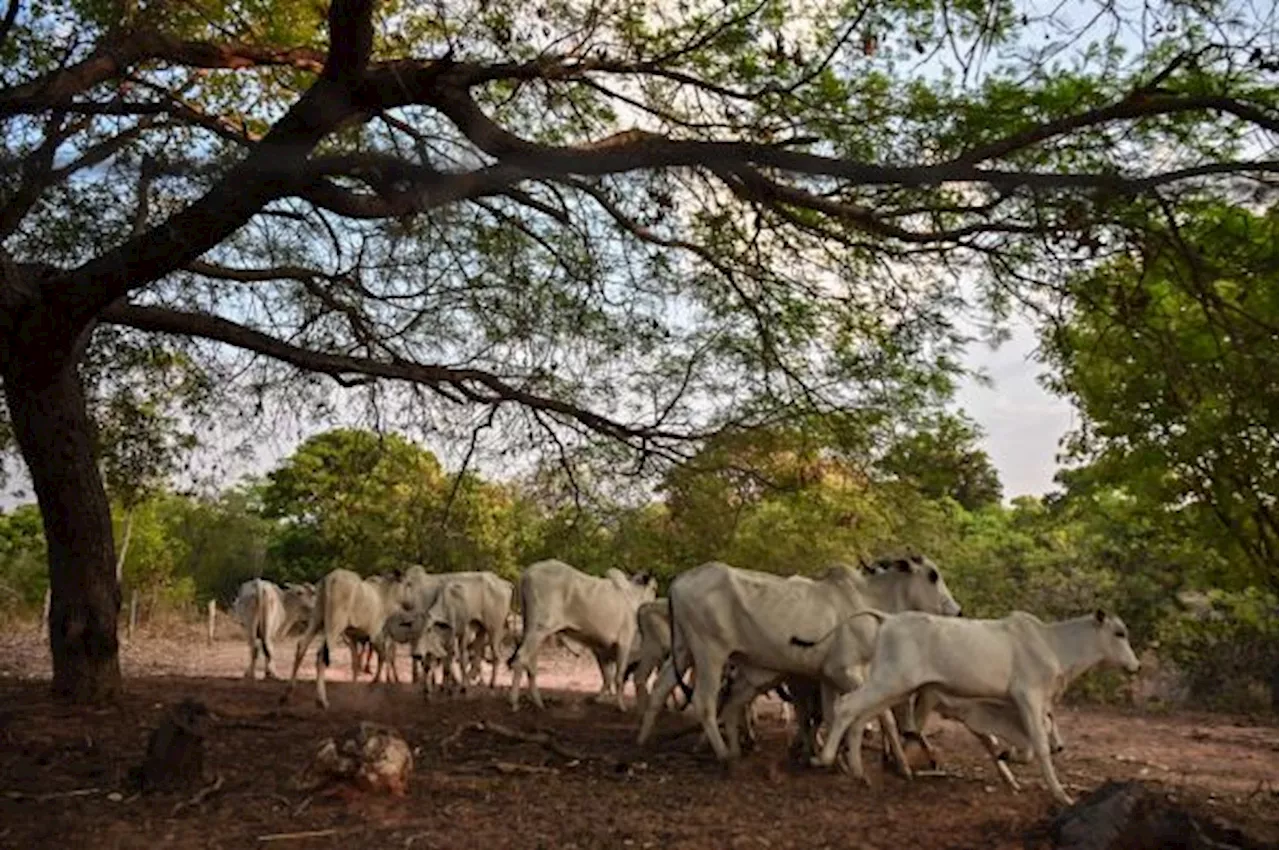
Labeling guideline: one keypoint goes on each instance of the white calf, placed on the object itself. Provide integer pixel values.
(1020, 660)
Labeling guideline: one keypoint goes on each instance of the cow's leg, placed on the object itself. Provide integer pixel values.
(640, 677)
(525, 662)
(322, 665)
(313, 627)
(891, 740)
(464, 661)
(708, 671)
(354, 646)
(495, 643)
(736, 711)
(268, 659)
(853, 711)
(1032, 710)
(253, 656)
(664, 688)
(618, 674)
(924, 704)
(998, 757)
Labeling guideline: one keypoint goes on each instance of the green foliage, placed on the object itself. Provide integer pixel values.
(1228, 651)
(376, 502)
(24, 570)
(1170, 352)
(943, 459)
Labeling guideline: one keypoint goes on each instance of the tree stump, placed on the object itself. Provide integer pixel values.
(175, 751)
(1130, 816)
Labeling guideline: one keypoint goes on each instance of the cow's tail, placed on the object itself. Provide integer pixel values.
(326, 622)
(524, 618)
(808, 644)
(260, 618)
(675, 651)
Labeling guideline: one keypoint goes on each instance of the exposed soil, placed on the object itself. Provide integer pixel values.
(64, 771)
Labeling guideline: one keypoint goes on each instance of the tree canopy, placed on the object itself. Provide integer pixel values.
(1170, 352)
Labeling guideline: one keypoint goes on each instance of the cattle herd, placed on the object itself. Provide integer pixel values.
(881, 642)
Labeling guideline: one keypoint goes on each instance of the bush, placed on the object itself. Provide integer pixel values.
(1226, 650)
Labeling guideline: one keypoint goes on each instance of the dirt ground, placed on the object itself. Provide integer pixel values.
(63, 771)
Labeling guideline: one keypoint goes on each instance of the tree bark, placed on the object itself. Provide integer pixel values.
(53, 430)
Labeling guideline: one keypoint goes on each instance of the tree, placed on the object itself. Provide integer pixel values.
(357, 500)
(944, 460)
(1170, 353)
(378, 502)
(579, 218)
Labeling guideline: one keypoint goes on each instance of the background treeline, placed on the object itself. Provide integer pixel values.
(370, 502)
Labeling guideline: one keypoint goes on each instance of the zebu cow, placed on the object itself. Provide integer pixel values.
(597, 612)
(654, 630)
(719, 612)
(468, 609)
(347, 606)
(267, 612)
(1019, 660)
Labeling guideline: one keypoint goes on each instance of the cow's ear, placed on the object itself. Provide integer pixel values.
(1100, 616)
(918, 558)
(397, 574)
(903, 565)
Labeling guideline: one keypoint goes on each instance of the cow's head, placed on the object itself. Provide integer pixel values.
(1113, 641)
(434, 640)
(300, 597)
(647, 585)
(916, 584)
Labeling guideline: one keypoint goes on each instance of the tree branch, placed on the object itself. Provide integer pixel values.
(275, 168)
(474, 384)
(120, 52)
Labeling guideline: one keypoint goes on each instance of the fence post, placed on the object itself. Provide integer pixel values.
(213, 619)
(44, 617)
(133, 613)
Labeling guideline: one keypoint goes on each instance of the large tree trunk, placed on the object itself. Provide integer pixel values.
(51, 423)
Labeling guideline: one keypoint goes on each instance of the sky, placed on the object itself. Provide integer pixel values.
(1023, 423)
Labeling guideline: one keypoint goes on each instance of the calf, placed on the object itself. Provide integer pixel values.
(1020, 661)
(597, 612)
(654, 631)
(347, 606)
(470, 609)
(991, 721)
(267, 612)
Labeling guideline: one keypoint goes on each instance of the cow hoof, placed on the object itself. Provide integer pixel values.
(816, 761)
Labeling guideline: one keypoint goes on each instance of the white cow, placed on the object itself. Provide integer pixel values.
(347, 606)
(719, 612)
(1020, 660)
(654, 631)
(597, 612)
(469, 611)
(267, 612)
